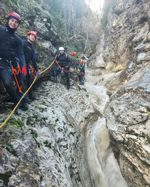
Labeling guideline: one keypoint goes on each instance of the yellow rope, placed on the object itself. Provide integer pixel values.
(23, 96)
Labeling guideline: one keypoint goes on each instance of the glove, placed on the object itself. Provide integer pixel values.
(24, 70)
(37, 74)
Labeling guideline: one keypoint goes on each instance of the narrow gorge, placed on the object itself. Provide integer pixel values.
(96, 135)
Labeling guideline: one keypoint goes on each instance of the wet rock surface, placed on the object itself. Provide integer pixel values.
(124, 48)
(44, 146)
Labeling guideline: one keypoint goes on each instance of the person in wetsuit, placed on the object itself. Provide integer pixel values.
(82, 71)
(11, 54)
(90, 54)
(64, 62)
(30, 60)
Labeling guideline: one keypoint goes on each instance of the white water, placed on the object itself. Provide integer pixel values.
(103, 166)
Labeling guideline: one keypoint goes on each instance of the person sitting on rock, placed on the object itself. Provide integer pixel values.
(82, 71)
(12, 59)
(30, 60)
(64, 63)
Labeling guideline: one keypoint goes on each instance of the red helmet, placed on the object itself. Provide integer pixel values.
(83, 55)
(74, 53)
(90, 51)
(32, 32)
(70, 54)
(14, 14)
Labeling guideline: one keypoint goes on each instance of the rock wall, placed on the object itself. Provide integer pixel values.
(44, 146)
(123, 54)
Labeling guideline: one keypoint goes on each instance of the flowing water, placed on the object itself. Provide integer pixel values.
(104, 168)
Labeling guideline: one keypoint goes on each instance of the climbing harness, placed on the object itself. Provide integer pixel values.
(31, 70)
(62, 68)
(15, 72)
(23, 96)
(83, 74)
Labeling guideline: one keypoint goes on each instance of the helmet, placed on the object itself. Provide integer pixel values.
(61, 49)
(15, 15)
(32, 32)
(70, 54)
(74, 53)
(83, 55)
(90, 51)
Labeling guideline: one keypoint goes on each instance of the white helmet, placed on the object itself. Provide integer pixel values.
(61, 49)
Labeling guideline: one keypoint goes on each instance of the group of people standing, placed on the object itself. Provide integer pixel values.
(17, 57)
(64, 63)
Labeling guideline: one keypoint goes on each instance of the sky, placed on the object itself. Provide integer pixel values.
(96, 5)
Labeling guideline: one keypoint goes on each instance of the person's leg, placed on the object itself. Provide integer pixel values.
(68, 80)
(55, 72)
(24, 106)
(8, 83)
(29, 82)
(81, 79)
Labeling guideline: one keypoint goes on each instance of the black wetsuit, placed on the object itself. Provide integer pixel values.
(90, 55)
(11, 50)
(64, 62)
(30, 60)
(83, 58)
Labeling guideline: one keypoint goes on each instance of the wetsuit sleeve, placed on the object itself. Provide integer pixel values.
(34, 62)
(69, 61)
(57, 58)
(21, 53)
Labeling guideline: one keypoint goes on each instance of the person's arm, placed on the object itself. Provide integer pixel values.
(57, 58)
(21, 53)
(21, 56)
(34, 62)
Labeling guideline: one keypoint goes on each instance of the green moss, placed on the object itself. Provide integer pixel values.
(17, 123)
(148, 139)
(35, 135)
(11, 150)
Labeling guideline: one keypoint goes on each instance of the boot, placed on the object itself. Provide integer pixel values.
(14, 105)
(81, 83)
(23, 105)
(55, 80)
(68, 87)
(32, 98)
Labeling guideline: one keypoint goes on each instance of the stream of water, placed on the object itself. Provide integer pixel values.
(104, 168)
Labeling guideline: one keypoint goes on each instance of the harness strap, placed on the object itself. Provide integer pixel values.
(63, 68)
(15, 72)
(32, 70)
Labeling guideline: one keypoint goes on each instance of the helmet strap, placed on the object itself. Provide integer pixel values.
(30, 41)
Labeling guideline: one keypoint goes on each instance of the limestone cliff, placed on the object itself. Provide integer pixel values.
(44, 146)
(123, 59)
